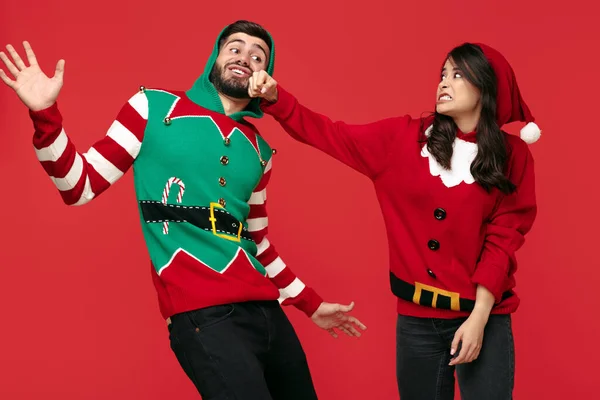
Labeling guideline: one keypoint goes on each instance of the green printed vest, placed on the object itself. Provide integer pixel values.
(191, 160)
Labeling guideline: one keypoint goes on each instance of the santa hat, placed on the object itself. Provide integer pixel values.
(510, 106)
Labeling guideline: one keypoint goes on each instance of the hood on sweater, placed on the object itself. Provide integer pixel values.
(204, 93)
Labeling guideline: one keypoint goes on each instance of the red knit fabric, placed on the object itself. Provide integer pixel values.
(475, 239)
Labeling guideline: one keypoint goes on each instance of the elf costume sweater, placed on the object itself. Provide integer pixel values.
(200, 180)
(446, 234)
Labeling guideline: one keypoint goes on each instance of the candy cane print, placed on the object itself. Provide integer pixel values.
(165, 197)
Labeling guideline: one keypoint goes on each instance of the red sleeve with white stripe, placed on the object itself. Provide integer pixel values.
(83, 177)
(292, 291)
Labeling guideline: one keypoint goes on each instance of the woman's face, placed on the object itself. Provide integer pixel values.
(456, 96)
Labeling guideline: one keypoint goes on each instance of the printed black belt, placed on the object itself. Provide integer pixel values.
(213, 219)
(430, 296)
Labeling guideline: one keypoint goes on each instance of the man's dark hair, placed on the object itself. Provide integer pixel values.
(249, 28)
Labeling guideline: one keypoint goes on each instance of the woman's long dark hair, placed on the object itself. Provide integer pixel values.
(488, 168)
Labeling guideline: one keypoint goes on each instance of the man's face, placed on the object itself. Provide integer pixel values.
(240, 56)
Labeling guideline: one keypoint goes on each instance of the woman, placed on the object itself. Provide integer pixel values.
(457, 195)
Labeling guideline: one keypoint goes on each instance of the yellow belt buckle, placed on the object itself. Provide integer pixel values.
(213, 222)
(454, 297)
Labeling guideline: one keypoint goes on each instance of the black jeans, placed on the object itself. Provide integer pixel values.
(423, 354)
(242, 351)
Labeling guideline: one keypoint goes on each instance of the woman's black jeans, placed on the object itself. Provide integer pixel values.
(423, 355)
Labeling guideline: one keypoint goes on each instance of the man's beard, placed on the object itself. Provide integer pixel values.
(232, 87)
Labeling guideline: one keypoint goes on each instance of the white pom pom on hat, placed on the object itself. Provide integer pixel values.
(531, 133)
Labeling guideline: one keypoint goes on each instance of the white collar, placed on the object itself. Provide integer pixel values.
(463, 155)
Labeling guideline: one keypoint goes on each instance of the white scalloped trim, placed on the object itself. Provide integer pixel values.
(462, 157)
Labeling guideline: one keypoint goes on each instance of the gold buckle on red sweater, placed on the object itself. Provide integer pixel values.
(213, 221)
(454, 296)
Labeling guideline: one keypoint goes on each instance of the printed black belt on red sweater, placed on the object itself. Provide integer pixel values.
(430, 296)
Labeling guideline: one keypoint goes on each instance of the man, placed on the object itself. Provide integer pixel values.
(200, 173)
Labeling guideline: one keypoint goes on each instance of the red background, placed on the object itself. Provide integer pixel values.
(80, 318)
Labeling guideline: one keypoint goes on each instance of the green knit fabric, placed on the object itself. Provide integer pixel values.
(190, 148)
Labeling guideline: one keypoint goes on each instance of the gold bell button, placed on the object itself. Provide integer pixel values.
(263, 163)
(222, 202)
(222, 181)
(224, 160)
(274, 151)
(142, 89)
(227, 141)
(167, 121)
